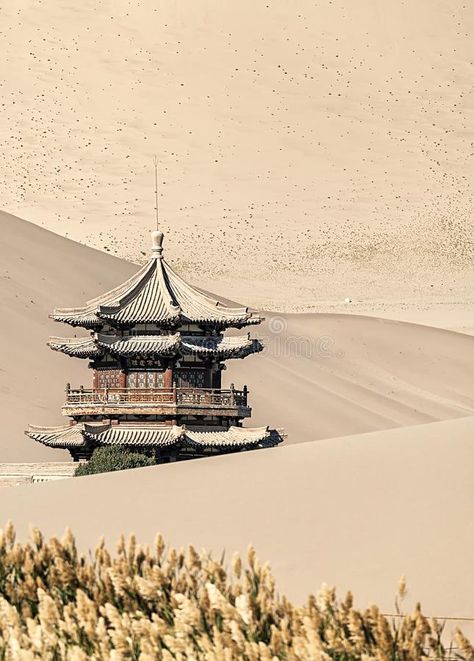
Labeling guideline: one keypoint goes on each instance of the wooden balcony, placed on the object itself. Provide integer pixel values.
(157, 401)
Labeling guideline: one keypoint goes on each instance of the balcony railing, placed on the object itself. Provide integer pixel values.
(175, 396)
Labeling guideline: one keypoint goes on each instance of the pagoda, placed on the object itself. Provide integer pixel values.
(157, 349)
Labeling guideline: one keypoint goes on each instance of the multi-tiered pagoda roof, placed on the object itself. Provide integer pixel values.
(156, 295)
(156, 346)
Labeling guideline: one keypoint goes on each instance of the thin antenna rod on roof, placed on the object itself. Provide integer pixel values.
(155, 162)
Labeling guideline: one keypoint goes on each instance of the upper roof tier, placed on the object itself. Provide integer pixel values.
(155, 295)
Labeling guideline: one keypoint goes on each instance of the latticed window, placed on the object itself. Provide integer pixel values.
(190, 378)
(144, 379)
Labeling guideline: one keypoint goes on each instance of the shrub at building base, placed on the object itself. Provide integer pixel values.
(115, 458)
(151, 604)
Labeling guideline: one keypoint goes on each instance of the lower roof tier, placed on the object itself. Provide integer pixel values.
(149, 346)
(83, 435)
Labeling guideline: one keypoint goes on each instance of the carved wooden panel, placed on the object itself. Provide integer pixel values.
(108, 378)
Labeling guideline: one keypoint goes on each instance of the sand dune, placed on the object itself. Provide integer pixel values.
(357, 512)
(38, 268)
(328, 375)
(320, 376)
(325, 146)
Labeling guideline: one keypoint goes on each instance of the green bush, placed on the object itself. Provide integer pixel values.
(105, 460)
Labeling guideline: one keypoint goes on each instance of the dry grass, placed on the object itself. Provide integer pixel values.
(165, 604)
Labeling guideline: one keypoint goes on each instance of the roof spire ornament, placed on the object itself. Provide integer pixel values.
(155, 163)
(156, 235)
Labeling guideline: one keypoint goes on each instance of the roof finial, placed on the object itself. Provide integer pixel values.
(157, 243)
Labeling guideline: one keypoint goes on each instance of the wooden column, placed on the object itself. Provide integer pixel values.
(217, 377)
(95, 380)
(208, 374)
(122, 379)
(168, 377)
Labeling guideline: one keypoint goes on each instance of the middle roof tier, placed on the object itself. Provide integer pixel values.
(149, 346)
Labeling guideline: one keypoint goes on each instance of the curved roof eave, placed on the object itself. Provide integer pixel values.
(82, 434)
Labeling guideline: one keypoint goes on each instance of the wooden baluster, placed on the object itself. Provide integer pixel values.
(122, 383)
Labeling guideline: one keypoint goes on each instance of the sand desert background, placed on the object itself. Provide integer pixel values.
(326, 146)
(309, 152)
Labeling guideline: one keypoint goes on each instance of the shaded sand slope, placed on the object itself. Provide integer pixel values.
(320, 375)
(323, 144)
(39, 270)
(357, 512)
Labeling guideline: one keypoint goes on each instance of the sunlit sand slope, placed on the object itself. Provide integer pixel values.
(357, 512)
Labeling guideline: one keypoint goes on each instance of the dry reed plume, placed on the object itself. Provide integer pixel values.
(155, 604)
